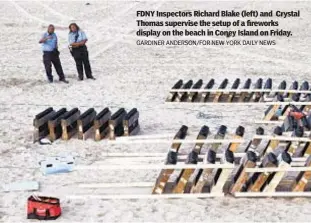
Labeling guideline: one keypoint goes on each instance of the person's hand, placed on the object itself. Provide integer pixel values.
(75, 44)
(48, 37)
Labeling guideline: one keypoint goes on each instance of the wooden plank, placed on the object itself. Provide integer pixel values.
(171, 160)
(276, 169)
(205, 95)
(223, 174)
(254, 143)
(234, 141)
(55, 128)
(270, 112)
(144, 196)
(116, 124)
(241, 103)
(101, 124)
(239, 133)
(223, 85)
(273, 194)
(244, 96)
(172, 95)
(69, 123)
(283, 138)
(85, 122)
(117, 185)
(40, 118)
(241, 177)
(243, 90)
(284, 161)
(234, 86)
(303, 178)
(193, 158)
(256, 182)
(131, 123)
(182, 96)
(194, 96)
(40, 124)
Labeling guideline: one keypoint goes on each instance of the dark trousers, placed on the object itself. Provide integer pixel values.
(81, 56)
(50, 58)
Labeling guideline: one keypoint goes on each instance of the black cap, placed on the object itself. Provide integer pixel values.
(280, 97)
(268, 84)
(295, 97)
(236, 83)
(211, 156)
(188, 84)
(193, 157)
(251, 156)
(304, 85)
(240, 131)
(272, 158)
(198, 84)
(282, 85)
(258, 84)
(223, 84)
(299, 131)
(222, 130)
(260, 131)
(178, 84)
(229, 156)
(247, 83)
(294, 85)
(204, 130)
(210, 84)
(278, 131)
(172, 157)
(183, 131)
(286, 157)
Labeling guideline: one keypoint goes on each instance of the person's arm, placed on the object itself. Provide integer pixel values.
(44, 38)
(82, 42)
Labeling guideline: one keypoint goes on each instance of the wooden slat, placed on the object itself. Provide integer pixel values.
(101, 124)
(55, 128)
(116, 124)
(69, 123)
(165, 174)
(131, 123)
(85, 122)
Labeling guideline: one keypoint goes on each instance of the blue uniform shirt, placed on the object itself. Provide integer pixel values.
(75, 37)
(50, 44)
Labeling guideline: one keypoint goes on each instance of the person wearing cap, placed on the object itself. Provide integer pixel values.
(77, 40)
(51, 55)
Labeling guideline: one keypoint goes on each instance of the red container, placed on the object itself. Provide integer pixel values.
(44, 208)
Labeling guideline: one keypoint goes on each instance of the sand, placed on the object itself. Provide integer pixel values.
(131, 76)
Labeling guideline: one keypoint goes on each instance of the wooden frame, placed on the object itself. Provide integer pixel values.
(69, 123)
(101, 124)
(55, 128)
(131, 123)
(40, 123)
(85, 122)
(116, 124)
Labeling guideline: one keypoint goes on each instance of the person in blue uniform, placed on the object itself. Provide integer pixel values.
(77, 40)
(51, 55)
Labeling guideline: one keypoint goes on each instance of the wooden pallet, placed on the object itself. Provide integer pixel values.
(65, 124)
(190, 92)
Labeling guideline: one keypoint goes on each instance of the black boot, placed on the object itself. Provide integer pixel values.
(92, 78)
(64, 81)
